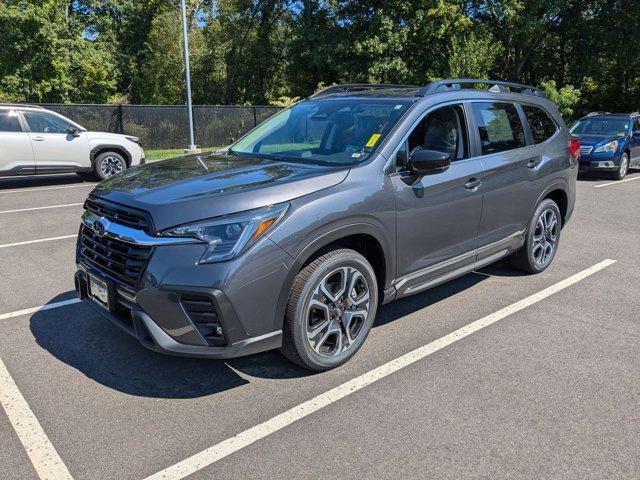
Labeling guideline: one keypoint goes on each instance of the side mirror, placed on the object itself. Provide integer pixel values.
(428, 162)
(73, 131)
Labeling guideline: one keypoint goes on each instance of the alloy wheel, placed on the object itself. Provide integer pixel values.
(337, 311)
(110, 165)
(545, 237)
(624, 166)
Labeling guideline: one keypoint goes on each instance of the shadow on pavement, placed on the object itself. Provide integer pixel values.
(79, 337)
(33, 181)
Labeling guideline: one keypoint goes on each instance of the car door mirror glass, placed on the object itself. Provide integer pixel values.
(73, 131)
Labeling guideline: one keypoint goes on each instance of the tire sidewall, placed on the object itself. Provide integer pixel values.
(542, 206)
(98, 161)
(619, 174)
(310, 356)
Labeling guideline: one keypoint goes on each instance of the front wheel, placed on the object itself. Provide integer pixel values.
(107, 164)
(623, 168)
(330, 311)
(542, 239)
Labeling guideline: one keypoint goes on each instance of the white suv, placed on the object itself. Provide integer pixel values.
(36, 141)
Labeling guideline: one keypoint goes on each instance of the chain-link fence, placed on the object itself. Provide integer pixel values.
(167, 126)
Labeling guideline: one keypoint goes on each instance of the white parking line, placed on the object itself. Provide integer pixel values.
(37, 189)
(41, 452)
(7, 245)
(41, 308)
(246, 438)
(616, 183)
(41, 208)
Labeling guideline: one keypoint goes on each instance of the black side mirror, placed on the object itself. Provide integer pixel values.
(428, 162)
(73, 131)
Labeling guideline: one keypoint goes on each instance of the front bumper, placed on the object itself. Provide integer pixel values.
(243, 294)
(599, 162)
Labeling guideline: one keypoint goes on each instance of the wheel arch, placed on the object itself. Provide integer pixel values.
(559, 193)
(364, 238)
(102, 148)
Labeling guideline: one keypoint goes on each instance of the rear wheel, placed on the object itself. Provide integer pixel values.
(330, 311)
(107, 164)
(543, 237)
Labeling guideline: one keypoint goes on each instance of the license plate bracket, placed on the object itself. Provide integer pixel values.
(98, 291)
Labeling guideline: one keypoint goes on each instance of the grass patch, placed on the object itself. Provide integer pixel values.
(153, 155)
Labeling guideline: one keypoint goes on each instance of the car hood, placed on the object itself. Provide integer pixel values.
(195, 187)
(597, 140)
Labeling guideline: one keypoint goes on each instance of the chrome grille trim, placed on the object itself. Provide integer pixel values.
(585, 149)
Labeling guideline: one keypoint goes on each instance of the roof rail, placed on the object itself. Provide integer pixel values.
(591, 114)
(18, 105)
(496, 86)
(360, 87)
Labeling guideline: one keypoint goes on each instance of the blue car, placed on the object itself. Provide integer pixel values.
(609, 143)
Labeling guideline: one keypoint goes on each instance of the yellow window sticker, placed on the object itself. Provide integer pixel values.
(373, 140)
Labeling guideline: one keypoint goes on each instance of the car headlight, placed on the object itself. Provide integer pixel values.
(133, 139)
(229, 236)
(608, 147)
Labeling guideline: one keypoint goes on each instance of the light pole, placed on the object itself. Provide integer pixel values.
(187, 78)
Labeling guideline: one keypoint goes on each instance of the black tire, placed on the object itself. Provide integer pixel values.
(296, 346)
(108, 164)
(525, 259)
(623, 169)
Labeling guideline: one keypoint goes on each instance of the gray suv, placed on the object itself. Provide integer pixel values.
(360, 194)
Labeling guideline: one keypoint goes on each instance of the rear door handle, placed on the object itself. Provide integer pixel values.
(472, 184)
(38, 139)
(533, 162)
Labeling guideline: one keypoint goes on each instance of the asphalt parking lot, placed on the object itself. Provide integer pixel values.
(494, 375)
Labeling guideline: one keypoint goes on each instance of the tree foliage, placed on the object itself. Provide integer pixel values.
(583, 52)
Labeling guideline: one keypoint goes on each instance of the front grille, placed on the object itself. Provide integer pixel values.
(118, 214)
(203, 314)
(585, 149)
(124, 262)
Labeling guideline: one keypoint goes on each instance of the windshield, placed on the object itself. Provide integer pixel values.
(329, 131)
(601, 126)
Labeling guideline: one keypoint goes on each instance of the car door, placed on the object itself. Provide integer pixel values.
(54, 147)
(634, 142)
(16, 154)
(513, 170)
(437, 215)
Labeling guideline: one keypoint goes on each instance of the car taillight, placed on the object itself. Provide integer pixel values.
(574, 148)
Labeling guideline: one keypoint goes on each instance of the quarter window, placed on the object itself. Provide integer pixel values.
(9, 122)
(542, 126)
(499, 127)
(45, 123)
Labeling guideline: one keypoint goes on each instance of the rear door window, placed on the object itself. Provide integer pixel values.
(542, 126)
(499, 127)
(9, 121)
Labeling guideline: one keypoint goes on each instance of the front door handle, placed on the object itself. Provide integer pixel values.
(534, 162)
(38, 139)
(473, 184)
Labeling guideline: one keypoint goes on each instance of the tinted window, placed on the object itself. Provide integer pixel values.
(542, 127)
(9, 122)
(499, 127)
(601, 126)
(443, 130)
(636, 125)
(40, 122)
